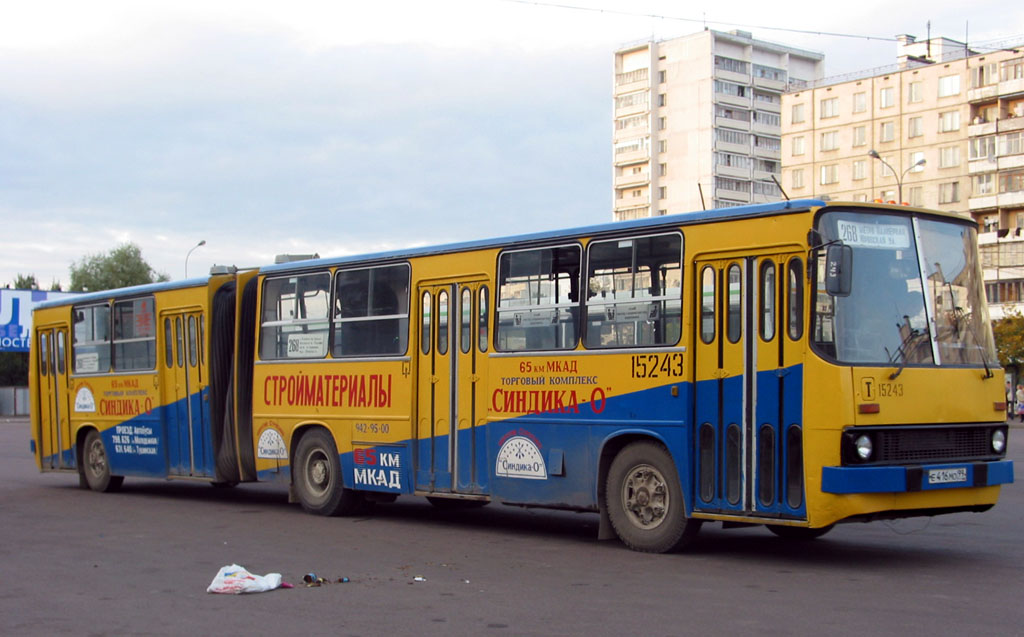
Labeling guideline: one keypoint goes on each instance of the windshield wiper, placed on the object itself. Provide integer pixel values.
(906, 344)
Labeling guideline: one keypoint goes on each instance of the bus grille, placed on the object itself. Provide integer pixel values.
(917, 444)
(911, 445)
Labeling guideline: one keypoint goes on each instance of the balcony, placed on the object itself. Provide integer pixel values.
(983, 165)
(739, 149)
(631, 81)
(1001, 200)
(735, 124)
(732, 171)
(732, 100)
(764, 129)
(982, 93)
(767, 153)
(732, 76)
(735, 195)
(772, 85)
(641, 178)
(978, 130)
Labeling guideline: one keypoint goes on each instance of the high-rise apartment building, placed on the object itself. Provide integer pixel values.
(697, 121)
(945, 122)
(942, 128)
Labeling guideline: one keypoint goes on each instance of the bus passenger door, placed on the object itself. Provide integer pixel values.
(54, 409)
(722, 391)
(448, 389)
(748, 390)
(186, 396)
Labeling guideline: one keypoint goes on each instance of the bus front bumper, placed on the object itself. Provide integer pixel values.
(903, 479)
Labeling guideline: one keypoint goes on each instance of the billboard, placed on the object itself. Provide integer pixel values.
(16, 316)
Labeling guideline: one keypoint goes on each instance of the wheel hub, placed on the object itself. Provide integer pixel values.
(645, 497)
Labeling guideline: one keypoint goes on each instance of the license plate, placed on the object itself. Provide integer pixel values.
(946, 476)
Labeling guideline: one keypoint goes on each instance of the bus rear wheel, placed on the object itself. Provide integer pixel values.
(644, 499)
(316, 472)
(95, 464)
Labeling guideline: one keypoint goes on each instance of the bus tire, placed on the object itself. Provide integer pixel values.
(799, 533)
(317, 476)
(644, 499)
(96, 464)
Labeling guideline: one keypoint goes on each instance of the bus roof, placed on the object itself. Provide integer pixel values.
(135, 290)
(704, 216)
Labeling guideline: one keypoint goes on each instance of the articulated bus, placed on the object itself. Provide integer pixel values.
(795, 364)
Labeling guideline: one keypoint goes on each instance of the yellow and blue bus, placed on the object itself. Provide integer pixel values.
(795, 364)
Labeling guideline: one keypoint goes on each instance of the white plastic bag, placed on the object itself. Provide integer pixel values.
(235, 580)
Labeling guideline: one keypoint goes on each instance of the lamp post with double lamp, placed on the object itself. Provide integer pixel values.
(198, 245)
(899, 178)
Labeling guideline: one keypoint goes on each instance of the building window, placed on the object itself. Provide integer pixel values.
(949, 156)
(768, 143)
(1010, 144)
(662, 170)
(662, 99)
(887, 131)
(912, 160)
(949, 85)
(639, 98)
(830, 107)
(662, 192)
(886, 97)
(830, 140)
(915, 127)
(915, 196)
(767, 119)
(1011, 69)
(732, 160)
(860, 197)
(984, 75)
(1011, 181)
(662, 123)
(731, 112)
(982, 148)
(860, 102)
(727, 183)
(661, 77)
(732, 64)
(797, 178)
(888, 196)
(860, 135)
(732, 136)
(860, 169)
(949, 192)
(829, 174)
(798, 145)
(949, 121)
(883, 169)
(984, 184)
(633, 121)
(914, 93)
(798, 113)
(662, 146)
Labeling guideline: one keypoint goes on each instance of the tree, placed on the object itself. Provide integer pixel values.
(121, 267)
(25, 282)
(1009, 333)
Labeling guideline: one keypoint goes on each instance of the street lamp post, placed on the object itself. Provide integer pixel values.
(200, 244)
(899, 178)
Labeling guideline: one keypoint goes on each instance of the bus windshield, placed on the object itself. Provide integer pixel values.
(916, 296)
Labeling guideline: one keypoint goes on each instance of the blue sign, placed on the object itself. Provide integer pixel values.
(16, 316)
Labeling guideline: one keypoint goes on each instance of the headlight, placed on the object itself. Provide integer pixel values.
(864, 447)
(998, 441)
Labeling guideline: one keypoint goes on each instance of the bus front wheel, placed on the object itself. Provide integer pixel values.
(644, 499)
(95, 464)
(317, 476)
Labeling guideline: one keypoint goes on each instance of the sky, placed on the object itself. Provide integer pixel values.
(269, 127)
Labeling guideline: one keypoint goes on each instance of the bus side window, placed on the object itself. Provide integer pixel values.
(425, 323)
(734, 317)
(466, 318)
(44, 355)
(795, 307)
(60, 352)
(482, 308)
(179, 337)
(767, 313)
(168, 344)
(193, 357)
(707, 305)
(442, 322)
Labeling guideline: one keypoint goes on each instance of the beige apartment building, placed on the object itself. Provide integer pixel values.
(697, 121)
(947, 126)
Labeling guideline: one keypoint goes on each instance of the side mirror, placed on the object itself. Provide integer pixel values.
(838, 269)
